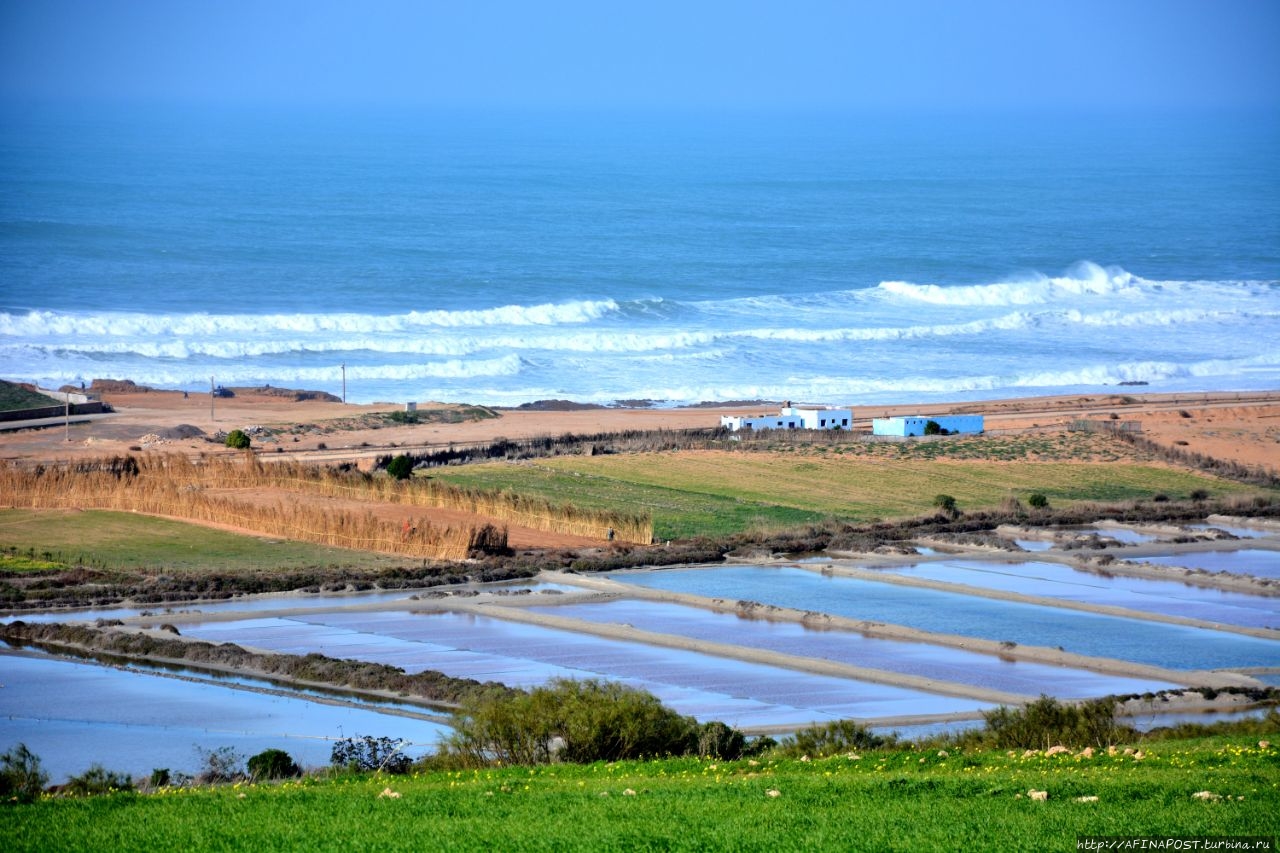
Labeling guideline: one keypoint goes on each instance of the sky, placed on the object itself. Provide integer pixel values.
(842, 55)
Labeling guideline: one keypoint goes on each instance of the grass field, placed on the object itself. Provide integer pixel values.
(16, 397)
(903, 800)
(716, 493)
(52, 539)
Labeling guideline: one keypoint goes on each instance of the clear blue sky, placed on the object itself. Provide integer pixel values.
(924, 55)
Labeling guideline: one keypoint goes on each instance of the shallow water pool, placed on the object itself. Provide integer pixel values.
(1250, 561)
(1171, 646)
(919, 659)
(73, 714)
(484, 648)
(1054, 580)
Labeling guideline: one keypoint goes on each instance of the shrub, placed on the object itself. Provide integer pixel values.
(98, 780)
(833, 738)
(21, 776)
(946, 503)
(1199, 494)
(238, 439)
(273, 764)
(933, 428)
(717, 740)
(220, 765)
(366, 754)
(401, 467)
(1046, 722)
(1038, 501)
(574, 721)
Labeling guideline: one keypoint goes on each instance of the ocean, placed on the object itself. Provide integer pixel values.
(501, 260)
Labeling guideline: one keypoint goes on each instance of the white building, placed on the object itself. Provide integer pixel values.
(792, 417)
(904, 427)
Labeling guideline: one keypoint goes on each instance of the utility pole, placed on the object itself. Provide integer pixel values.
(344, 382)
(66, 397)
(212, 396)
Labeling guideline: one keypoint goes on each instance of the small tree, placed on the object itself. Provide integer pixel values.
(1038, 501)
(21, 776)
(946, 503)
(934, 428)
(365, 754)
(273, 764)
(401, 467)
(220, 765)
(718, 740)
(238, 439)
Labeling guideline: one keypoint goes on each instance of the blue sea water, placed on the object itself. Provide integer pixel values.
(505, 259)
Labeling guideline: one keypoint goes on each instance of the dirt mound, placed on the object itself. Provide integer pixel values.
(118, 386)
(182, 431)
(556, 406)
(289, 394)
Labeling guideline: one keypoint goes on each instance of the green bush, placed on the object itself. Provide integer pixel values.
(98, 780)
(572, 721)
(273, 764)
(717, 740)
(238, 439)
(21, 776)
(401, 467)
(834, 738)
(1038, 501)
(946, 503)
(1046, 722)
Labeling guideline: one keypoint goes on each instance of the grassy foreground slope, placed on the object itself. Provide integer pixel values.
(714, 493)
(903, 800)
(124, 541)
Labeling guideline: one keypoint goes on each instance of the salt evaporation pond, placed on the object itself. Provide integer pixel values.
(274, 602)
(1052, 580)
(1238, 530)
(1249, 561)
(1171, 646)
(742, 694)
(919, 659)
(1124, 535)
(74, 714)
(1033, 544)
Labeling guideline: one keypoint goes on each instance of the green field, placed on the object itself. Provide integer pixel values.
(14, 397)
(901, 800)
(716, 493)
(54, 539)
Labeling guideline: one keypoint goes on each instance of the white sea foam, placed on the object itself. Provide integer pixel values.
(68, 325)
(1091, 327)
(1086, 279)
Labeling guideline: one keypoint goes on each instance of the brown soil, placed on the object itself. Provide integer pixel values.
(1239, 427)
